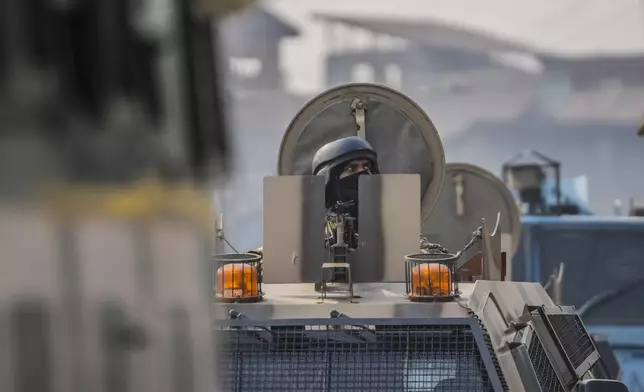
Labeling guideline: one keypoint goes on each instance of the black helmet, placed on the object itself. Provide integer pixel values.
(340, 152)
(343, 151)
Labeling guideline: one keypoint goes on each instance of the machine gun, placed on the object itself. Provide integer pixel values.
(341, 238)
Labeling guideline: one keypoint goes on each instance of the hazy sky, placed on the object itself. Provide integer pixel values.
(565, 27)
(303, 56)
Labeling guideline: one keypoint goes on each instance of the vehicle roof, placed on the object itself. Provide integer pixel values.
(385, 301)
(376, 300)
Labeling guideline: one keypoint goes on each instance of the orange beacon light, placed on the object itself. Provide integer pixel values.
(237, 277)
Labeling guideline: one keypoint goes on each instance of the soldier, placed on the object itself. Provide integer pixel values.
(342, 162)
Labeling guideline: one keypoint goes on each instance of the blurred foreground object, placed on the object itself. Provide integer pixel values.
(111, 133)
(640, 130)
(215, 8)
(108, 92)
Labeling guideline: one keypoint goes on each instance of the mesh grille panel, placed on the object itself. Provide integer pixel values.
(575, 341)
(322, 358)
(545, 372)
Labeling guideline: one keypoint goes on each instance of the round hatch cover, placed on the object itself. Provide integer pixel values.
(469, 194)
(397, 128)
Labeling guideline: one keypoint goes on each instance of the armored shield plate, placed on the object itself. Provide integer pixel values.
(470, 194)
(398, 129)
(293, 228)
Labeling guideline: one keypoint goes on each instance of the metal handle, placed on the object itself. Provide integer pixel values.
(459, 185)
(491, 296)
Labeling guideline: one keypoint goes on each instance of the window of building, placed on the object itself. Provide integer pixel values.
(363, 73)
(245, 67)
(393, 75)
(554, 92)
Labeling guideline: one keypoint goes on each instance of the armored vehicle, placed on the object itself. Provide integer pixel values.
(395, 318)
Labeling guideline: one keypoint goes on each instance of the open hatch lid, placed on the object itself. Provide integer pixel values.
(470, 194)
(403, 135)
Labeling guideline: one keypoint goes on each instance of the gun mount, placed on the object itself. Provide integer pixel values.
(341, 239)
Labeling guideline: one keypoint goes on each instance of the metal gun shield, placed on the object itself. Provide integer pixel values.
(471, 193)
(399, 130)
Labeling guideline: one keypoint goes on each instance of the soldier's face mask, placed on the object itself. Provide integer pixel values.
(346, 186)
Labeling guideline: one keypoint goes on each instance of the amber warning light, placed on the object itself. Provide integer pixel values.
(430, 277)
(238, 277)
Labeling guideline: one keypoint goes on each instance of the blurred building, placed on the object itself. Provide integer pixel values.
(259, 102)
(584, 114)
(491, 97)
(251, 40)
(260, 109)
(457, 75)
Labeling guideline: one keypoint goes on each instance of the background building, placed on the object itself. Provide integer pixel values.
(491, 98)
(573, 91)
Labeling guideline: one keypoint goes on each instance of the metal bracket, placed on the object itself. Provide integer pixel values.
(459, 187)
(492, 264)
(557, 287)
(341, 288)
(358, 111)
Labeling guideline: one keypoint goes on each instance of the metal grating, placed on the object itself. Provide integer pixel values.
(575, 341)
(343, 358)
(490, 347)
(542, 367)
